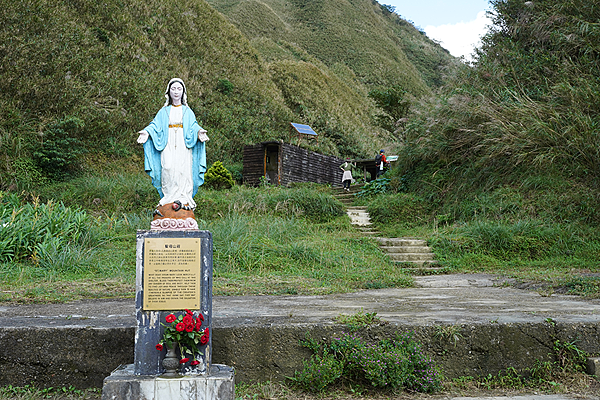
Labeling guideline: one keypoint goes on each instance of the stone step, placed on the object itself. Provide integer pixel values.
(357, 217)
(406, 249)
(410, 257)
(401, 242)
(352, 210)
(358, 214)
(361, 223)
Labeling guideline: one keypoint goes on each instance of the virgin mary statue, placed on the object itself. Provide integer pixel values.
(175, 155)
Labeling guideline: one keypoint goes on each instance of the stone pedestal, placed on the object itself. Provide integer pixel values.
(124, 384)
(174, 269)
(147, 359)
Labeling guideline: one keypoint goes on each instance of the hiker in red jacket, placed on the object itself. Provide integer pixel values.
(381, 162)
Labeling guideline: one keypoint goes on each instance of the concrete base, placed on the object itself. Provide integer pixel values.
(123, 384)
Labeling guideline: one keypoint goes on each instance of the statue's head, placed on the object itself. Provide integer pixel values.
(176, 93)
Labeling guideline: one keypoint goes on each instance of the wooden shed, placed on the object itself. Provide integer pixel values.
(282, 163)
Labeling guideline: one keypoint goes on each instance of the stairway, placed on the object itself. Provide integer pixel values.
(359, 217)
(412, 251)
(407, 250)
(346, 197)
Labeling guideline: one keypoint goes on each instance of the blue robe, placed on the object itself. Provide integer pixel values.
(159, 134)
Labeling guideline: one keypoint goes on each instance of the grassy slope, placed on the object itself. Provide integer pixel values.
(326, 55)
(107, 64)
(379, 47)
(501, 168)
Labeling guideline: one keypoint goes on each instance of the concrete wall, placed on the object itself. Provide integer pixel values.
(84, 357)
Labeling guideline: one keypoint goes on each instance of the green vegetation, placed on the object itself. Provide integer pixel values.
(32, 393)
(80, 79)
(567, 367)
(499, 169)
(359, 320)
(266, 241)
(397, 364)
(218, 177)
(367, 37)
(498, 160)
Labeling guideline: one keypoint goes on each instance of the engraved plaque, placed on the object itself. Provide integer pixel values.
(172, 273)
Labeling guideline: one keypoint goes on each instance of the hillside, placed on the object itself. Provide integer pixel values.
(525, 114)
(378, 46)
(79, 79)
(504, 163)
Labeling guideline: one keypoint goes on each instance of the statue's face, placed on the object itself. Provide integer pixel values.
(176, 93)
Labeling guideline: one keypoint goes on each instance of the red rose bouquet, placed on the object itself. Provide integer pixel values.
(185, 331)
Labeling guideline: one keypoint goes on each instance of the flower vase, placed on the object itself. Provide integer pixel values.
(171, 363)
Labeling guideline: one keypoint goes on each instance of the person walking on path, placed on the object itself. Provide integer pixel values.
(347, 177)
(381, 163)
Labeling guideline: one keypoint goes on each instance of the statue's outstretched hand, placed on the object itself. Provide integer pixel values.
(202, 136)
(143, 137)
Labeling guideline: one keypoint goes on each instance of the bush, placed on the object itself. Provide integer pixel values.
(58, 154)
(375, 187)
(218, 177)
(224, 86)
(396, 364)
(393, 101)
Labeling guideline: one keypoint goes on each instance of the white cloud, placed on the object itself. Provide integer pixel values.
(460, 39)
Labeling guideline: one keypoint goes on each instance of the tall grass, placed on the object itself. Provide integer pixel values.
(279, 255)
(526, 107)
(42, 232)
(267, 240)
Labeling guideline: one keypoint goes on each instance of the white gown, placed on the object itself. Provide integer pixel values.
(176, 161)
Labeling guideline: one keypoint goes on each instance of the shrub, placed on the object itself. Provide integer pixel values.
(218, 177)
(58, 154)
(375, 187)
(392, 101)
(396, 364)
(224, 86)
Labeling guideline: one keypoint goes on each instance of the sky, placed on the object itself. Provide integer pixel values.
(457, 24)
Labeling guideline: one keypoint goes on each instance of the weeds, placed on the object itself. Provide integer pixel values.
(359, 320)
(29, 392)
(448, 333)
(567, 366)
(397, 364)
